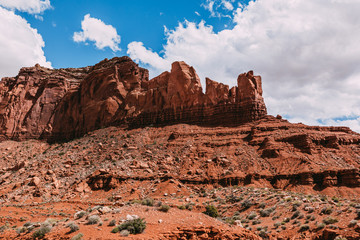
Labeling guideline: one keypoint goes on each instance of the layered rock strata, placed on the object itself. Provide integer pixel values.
(67, 103)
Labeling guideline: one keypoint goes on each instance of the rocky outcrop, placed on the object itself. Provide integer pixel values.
(28, 101)
(67, 103)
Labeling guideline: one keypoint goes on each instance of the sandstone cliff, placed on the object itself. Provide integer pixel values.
(67, 103)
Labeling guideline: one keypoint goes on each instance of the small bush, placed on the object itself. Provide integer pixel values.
(134, 226)
(246, 204)
(304, 227)
(295, 215)
(352, 223)
(73, 227)
(148, 202)
(79, 214)
(320, 226)
(357, 213)
(164, 208)
(112, 223)
(77, 236)
(211, 211)
(252, 215)
(330, 220)
(266, 212)
(326, 210)
(94, 219)
(44, 229)
(277, 224)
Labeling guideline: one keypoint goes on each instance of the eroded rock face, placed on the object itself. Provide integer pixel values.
(28, 100)
(67, 103)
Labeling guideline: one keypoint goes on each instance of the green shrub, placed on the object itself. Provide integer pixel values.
(266, 212)
(295, 215)
(252, 215)
(73, 227)
(112, 223)
(326, 210)
(44, 229)
(94, 219)
(164, 208)
(304, 227)
(320, 226)
(79, 214)
(134, 226)
(77, 236)
(211, 211)
(352, 223)
(330, 220)
(148, 202)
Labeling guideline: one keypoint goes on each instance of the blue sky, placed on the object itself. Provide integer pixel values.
(135, 20)
(307, 51)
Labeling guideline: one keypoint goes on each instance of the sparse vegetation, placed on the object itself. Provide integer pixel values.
(94, 219)
(211, 211)
(164, 208)
(73, 227)
(44, 229)
(134, 226)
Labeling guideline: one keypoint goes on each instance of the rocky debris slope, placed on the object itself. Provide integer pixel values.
(67, 103)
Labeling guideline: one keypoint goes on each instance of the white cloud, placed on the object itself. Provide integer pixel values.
(20, 44)
(97, 31)
(307, 52)
(227, 5)
(30, 6)
(218, 8)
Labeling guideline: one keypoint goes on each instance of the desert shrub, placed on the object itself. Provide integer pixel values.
(44, 229)
(256, 221)
(304, 227)
(266, 212)
(94, 219)
(262, 205)
(181, 207)
(112, 223)
(134, 226)
(320, 226)
(352, 223)
(263, 234)
(340, 238)
(73, 227)
(246, 204)
(77, 236)
(277, 224)
(286, 220)
(79, 214)
(358, 213)
(148, 202)
(330, 220)
(164, 208)
(20, 230)
(211, 211)
(295, 215)
(252, 215)
(326, 210)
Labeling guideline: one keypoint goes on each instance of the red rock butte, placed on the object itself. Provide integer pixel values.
(61, 104)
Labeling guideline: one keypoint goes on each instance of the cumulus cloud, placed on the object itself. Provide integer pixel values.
(97, 31)
(307, 52)
(29, 6)
(20, 44)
